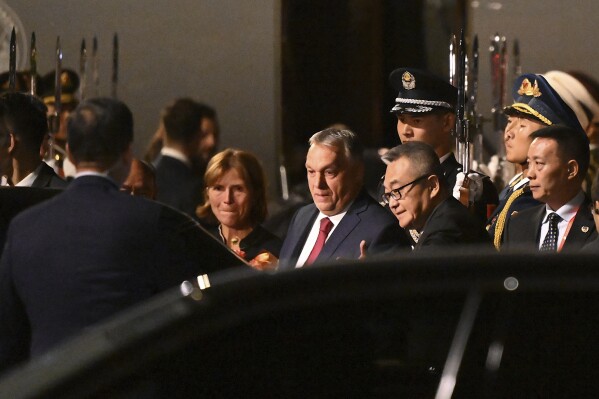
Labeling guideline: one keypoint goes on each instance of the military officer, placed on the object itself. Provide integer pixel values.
(426, 111)
(536, 105)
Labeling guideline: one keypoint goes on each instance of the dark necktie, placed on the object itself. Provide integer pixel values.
(325, 228)
(550, 241)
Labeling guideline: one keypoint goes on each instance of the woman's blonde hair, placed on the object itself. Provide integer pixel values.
(250, 171)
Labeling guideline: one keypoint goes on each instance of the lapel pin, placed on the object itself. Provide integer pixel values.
(584, 229)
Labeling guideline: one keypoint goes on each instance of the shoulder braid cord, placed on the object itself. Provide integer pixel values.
(500, 225)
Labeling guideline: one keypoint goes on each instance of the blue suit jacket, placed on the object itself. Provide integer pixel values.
(86, 254)
(365, 220)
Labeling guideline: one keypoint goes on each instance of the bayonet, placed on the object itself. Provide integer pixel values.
(498, 66)
(452, 60)
(475, 118)
(517, 66)
(58, 82)
(12, 62)
(95, 75)
(115, 64)
(33, 66)
(55, 117)
(83, 70)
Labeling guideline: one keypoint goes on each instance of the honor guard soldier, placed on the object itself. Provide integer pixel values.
(536, 105)
(426, 111)
(69, 81)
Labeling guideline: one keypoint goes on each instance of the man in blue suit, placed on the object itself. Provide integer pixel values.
(343, 217)
(92, 251)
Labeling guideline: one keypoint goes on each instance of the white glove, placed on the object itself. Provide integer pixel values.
(475, 186)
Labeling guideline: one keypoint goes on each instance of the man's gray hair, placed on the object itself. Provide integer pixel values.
(339, 138)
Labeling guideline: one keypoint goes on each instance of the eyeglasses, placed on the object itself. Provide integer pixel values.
(396, 193)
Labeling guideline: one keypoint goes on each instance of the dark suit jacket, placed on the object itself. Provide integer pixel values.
(14, 200)
(366, 220)
(88, 253)
(47, 178)
(177, 185)
(525, 228)
(489, 199)
(451, 223)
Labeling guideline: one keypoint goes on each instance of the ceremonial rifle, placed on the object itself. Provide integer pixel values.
(12, 62)
(55, 117)
(33, 66)
(83, 70)
(95, 76)
(498, 81)
(115, 64)
(474, 117)
(461, 130)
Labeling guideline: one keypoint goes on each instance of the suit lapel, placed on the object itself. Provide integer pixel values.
(345, 227)
(43, 177)
(301, 231)
(534, 229)
(582, 229)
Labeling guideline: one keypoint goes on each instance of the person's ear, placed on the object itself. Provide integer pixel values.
(449, 121)
(434, 185)
(572, 169)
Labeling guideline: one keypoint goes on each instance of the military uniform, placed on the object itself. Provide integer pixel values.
(423, 93)
(536, 99)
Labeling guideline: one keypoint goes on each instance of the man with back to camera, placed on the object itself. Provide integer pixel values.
(558, 159)
(116, 249)
(343, 214)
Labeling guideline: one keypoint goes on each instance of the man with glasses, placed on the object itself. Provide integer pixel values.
(425, 107)
(417, 194)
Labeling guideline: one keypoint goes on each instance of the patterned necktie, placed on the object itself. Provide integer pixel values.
(325, 228)
(550, 241)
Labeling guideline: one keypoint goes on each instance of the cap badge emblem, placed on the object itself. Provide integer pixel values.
(526, 89)
(408, 80)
